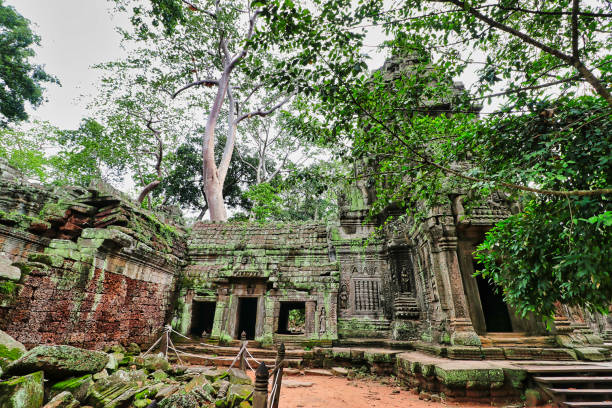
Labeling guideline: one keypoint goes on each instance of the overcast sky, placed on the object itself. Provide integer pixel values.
(75, 34)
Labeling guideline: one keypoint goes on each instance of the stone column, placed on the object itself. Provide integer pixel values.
(445, 264)
(309, 324)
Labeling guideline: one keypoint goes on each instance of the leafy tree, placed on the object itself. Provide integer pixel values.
(25, 149)
(88, 153)
(137, 109)
(205, 46)
(423, 140)
(182, 184)
(20, 80)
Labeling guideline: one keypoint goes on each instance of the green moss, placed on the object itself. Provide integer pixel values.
(11, 354)
(8, 287)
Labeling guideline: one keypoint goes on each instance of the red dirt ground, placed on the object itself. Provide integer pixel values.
(335, 392)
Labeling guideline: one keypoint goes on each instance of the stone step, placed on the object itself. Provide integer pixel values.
(567, 369)
(582, 391)
(587, 404)
(573, 380)
(223, 361)
(233, 351)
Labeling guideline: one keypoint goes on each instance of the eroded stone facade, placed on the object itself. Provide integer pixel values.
(87, 267)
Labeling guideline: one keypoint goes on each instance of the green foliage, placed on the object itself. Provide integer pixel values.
(25, 149)
(558, 248)
(21, 80)
(266, 201)
(297, 319)
(89, 153)
(415, 137)
(182, 184)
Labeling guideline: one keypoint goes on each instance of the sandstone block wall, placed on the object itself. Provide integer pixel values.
(83, 267)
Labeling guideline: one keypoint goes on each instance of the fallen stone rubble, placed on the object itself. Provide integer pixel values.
(57, 376)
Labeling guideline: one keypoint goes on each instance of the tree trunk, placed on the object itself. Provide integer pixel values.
(148, 188)
(214, 197)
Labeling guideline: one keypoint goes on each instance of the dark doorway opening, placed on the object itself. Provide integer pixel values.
(292, 318)
(247, 317)
(494, 308)
(202, 317)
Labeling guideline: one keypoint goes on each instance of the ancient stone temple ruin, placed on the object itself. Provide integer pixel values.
(90, 268)
(87, 267)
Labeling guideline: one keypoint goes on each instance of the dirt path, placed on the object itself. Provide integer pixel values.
(334, 392)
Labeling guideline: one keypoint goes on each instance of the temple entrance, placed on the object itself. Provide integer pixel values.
(247, 317)
(494, 308)
(202, 317)
(292, 318)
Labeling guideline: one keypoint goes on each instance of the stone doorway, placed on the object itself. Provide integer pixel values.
(247, 317)
(292, 318)
(202, 317)
(494, 308)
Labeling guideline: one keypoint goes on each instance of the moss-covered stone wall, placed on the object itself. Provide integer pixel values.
(84, 267)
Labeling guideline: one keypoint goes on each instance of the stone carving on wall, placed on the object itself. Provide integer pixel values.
(367, 298)
(322, 326)
(343, 296)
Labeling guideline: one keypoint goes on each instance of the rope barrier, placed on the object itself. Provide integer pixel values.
(274, 387)
(167, 330)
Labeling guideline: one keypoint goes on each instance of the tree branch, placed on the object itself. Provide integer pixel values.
(575, 10)
(228, 149)
(208, 82)
(569, 59)
(263, 113)
(528, 88)
(249, 35)
(555, 13)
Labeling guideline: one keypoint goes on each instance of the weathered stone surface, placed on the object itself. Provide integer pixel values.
(237, 376)
(318, 371)
(589, 354)
(339, 371)
(179, 401)
(62, 400)
(78, 387)
(7, 270)
(116, 390)
(238, 393)
(22, 392)
(297, 384)
(153, 362)
(59, 361)
(10, 348)
(167, 391)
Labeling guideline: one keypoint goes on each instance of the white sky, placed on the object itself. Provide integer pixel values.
(75, 34)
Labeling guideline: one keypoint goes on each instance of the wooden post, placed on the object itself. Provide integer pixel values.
(260, 393)
(278, 375)
(243, 344)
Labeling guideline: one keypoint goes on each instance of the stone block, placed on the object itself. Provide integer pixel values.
(8, 271)
(23, 392)
(59, 361)
(78, 387)
(589, 354)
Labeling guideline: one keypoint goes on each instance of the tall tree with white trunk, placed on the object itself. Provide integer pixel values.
(205, 50)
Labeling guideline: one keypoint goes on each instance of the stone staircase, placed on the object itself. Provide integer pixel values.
(405, 307)
(574, 385)
(199, 353)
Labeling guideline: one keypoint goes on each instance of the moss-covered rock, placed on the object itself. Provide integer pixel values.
(23, 392)
(152, 362)
(78, 387)
(59, 361)
(117, 390)
(63, 400)
(179, 401)
(237, 376)
(10, 348)
(238, 393)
